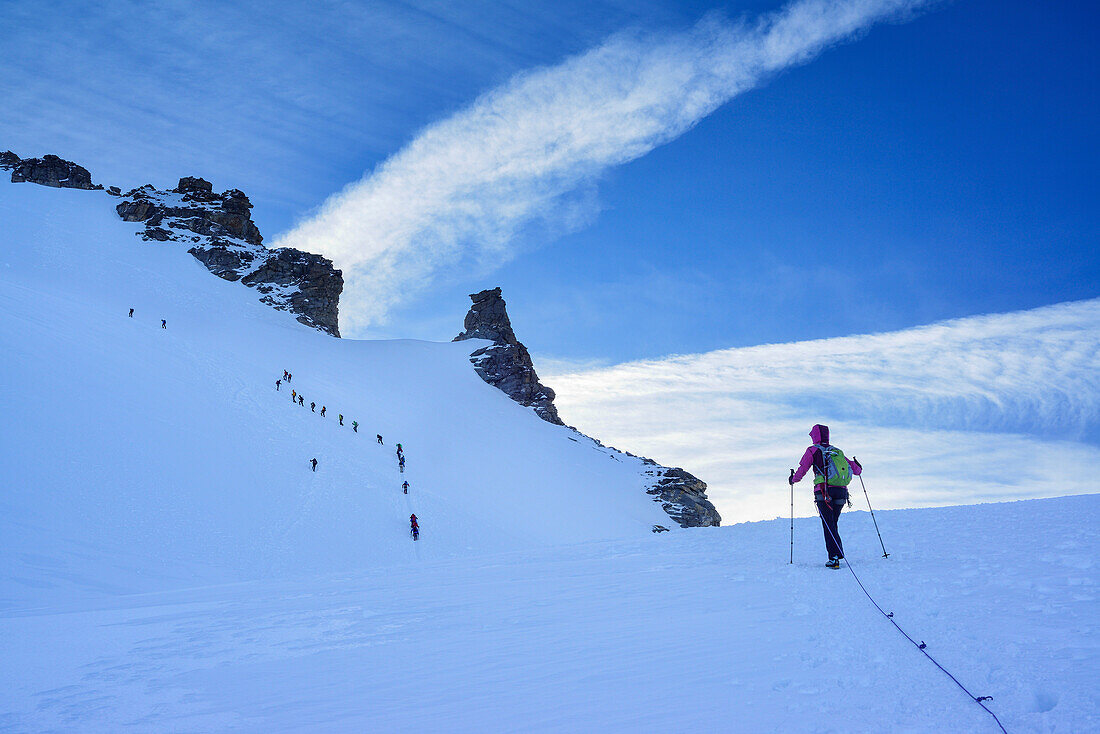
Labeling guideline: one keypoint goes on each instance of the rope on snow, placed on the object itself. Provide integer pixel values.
(980, 700)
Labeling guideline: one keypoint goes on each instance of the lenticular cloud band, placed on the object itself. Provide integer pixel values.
(464, 187)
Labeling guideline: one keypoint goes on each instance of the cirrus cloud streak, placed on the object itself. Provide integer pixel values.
(990, 407)
(465, 189)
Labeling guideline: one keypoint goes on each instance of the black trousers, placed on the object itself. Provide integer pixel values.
(830, 513)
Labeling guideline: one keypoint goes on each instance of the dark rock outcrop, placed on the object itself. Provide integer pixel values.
(506, 364)
(220, 260)
(49, 170)
(682, 495)
(196, 208)
(222, 236)
(219, 232)
(306, 283)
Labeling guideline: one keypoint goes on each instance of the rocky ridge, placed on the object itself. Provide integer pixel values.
(223, 237)
(49, 170)
(506, 365)
(219, 232)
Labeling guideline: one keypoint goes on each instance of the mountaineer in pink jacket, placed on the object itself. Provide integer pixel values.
(832, 473)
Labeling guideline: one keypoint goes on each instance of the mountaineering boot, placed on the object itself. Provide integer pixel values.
(833, 563)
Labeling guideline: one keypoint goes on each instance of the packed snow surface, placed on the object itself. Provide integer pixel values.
(171, 563)
(168, 453)
(708, 630)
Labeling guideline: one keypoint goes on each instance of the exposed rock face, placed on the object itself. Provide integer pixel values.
(507, 365)
(306, 283)
(683, 496)
(220, 233)
(223, 237)
(196, 208)
(49, 170)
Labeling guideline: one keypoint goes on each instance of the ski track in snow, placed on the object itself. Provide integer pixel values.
(172, 564)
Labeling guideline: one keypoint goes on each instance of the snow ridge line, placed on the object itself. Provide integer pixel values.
(919, 645)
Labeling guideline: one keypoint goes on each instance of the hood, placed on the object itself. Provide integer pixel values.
(820, 434)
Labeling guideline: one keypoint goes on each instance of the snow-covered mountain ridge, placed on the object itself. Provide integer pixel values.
(172, 446)
(218, 231)
(171, 563)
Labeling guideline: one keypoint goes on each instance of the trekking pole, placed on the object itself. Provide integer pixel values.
(792, 517)
(884, 553)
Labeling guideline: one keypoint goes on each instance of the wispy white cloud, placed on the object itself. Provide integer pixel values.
(282, 99)
(989, 407)
(466, 187)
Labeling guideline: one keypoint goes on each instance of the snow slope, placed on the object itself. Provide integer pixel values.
(137, 458)
(708, 630)
(169, 562)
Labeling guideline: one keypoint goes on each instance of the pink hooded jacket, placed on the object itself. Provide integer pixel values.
(813, 458)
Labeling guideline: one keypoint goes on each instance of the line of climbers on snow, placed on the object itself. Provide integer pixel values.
(299, 399)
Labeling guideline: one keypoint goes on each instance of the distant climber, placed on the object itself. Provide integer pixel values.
(314, 462)
(322, 411)
(400, 453)
(405, 487)
(293, 396)
(379, 437)
(355, 426)
(312, 407)
(164, 323)
(301, 401)
(399, 449)
(277, 383)
(415, 529)
(341, 419)
(285, 377)
(131, 313)
(401, 463)
(832, 473)
(289, 377)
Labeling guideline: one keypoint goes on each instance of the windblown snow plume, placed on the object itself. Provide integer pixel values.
(466, 186)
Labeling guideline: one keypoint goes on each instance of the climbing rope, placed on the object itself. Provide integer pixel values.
(980, 700)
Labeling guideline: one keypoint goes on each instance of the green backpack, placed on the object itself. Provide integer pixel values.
(838, 472)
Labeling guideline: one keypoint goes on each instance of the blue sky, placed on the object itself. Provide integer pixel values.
(934, 167)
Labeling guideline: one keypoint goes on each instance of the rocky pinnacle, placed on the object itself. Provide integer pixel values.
(506, 364)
